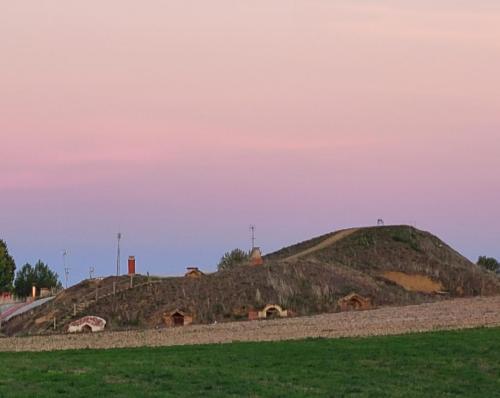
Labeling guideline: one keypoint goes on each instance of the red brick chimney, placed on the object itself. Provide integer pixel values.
(131, 265)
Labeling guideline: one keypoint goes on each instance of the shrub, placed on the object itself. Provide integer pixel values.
(488, 263)
(232, 259)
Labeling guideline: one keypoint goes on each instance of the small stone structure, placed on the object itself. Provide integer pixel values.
(270, 311)
(256, 257)
(6, 297)
(177, 318)
(354, 302)
(87, 324)
(193, 272)
(253, 315)
(45, 292)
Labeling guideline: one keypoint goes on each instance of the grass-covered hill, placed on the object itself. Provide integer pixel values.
(402, 249)
(394, 265)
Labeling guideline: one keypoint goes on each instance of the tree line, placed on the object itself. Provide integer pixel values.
(21, 283)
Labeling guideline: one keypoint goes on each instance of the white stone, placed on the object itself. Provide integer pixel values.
(87, 323)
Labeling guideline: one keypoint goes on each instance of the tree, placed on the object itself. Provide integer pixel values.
(40, 276)
(488, 263)
(25, 279)
(232, 259)
(7, 268)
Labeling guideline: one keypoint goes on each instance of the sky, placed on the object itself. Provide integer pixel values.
(180, 123)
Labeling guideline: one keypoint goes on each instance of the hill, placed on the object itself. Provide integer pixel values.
(394, 265)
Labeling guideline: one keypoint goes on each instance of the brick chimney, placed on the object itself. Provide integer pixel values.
(256, 257)
(131, 265)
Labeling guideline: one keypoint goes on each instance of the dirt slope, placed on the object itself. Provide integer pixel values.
(329, 241)
(444, 315)
(307, 278)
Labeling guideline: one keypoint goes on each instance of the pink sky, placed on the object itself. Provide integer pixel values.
(180, 123)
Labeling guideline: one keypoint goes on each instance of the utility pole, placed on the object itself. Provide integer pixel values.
(252, 230)
(119, 236)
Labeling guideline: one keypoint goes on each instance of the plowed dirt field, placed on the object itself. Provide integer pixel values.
(443, 315)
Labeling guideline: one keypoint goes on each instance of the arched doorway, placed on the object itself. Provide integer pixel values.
(177, 319)
(272, 312)
(353, 304)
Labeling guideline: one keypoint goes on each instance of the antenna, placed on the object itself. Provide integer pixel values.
(252, 230)
(66, 268)
(66, 274)
(91, 272)
(119, 237)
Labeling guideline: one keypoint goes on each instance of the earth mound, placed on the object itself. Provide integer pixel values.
(393, 265)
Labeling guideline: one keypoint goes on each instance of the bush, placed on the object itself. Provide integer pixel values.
(232, 259)
(488, 263)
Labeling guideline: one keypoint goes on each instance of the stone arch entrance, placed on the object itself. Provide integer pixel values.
(177, 319)
(87, 324)
(354, 302)
(272, 312)
(86, 329)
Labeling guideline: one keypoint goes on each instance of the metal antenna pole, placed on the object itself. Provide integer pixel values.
(66, 274)
(66, 269)
(252, 230)
(119, 236)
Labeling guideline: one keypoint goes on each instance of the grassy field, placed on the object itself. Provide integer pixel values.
(439, 364)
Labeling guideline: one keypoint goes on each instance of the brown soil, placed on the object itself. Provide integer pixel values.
(444, 315)
(414, 283)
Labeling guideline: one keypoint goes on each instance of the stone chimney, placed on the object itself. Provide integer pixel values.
(256, 257)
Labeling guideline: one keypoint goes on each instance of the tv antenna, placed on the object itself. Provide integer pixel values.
(119, 237)
(252, 231)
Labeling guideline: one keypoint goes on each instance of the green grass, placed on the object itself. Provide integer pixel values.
(439, 364)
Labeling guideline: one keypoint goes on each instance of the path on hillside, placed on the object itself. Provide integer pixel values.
(24, 307)
(443, 315)
(325, 243)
